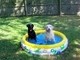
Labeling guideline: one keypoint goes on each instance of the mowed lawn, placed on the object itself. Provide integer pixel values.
(13, 28)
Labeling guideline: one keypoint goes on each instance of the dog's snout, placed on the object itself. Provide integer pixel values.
(48, 29)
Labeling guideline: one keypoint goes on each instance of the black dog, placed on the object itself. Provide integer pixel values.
(31, 32)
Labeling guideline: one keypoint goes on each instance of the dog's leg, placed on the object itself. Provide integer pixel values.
(35, 39)
(45, 40)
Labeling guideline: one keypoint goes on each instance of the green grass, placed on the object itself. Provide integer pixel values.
(13, 28)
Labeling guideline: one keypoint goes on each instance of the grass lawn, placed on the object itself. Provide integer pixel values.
(13, 28)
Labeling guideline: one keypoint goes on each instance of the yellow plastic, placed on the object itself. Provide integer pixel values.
(31, 45)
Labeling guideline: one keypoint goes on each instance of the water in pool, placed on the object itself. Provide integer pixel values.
(41, 40)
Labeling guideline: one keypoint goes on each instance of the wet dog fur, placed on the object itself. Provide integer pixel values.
(31, 32)
(49, 34)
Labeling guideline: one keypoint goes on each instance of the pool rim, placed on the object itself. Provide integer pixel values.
(32, 45)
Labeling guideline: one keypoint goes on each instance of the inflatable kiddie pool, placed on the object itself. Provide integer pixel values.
(45, 49)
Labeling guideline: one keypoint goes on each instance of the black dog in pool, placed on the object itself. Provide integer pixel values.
(31, 32)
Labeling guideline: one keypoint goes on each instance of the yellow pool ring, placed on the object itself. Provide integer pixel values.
(31, 45)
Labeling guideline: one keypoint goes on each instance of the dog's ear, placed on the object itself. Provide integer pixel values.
(32, 25)
(52, 27)
(27, 25)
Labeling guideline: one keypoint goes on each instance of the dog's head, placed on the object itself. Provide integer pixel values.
(30, 26)
(49, 27)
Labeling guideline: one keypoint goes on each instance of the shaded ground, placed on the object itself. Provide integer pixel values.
(13, 28)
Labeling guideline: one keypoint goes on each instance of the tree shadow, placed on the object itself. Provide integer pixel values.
(71, 30)
(11, 8)
(11, 51)
(7, 7)
(69, 25)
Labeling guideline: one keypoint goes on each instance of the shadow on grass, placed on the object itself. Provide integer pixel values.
(69, 25)
(73, 50)
(11, 51)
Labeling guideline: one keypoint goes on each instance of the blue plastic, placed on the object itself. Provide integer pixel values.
(41, 40)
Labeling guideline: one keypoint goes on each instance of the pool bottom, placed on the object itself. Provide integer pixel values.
(41, 40)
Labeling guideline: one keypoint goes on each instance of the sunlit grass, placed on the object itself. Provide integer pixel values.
(13, 28)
